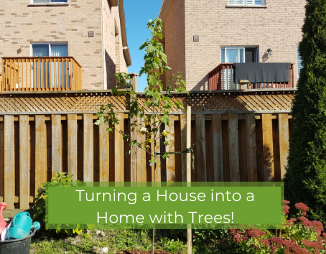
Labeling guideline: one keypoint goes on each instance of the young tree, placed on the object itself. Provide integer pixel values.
(157, 101)
(305, 179)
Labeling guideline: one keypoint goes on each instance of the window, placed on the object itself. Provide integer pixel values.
(48, 1)
(299, 61)
(239, 54)
(51, 74)
(247, 2)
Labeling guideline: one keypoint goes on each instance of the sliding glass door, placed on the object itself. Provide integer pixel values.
(53, 73)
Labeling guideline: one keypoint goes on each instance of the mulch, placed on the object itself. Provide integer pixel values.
(143, 252)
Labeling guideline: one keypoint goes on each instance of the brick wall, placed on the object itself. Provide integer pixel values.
(22, 23)
(114, 59)
(278, 26)
(175, 39)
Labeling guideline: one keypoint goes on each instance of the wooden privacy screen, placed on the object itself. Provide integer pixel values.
(228, 147)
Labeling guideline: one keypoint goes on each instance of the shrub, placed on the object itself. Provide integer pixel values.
(300, 235)
(305, 179)
(38, 209)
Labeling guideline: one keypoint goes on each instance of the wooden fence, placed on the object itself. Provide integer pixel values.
(227, 147)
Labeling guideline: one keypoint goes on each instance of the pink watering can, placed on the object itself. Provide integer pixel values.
(3, 224)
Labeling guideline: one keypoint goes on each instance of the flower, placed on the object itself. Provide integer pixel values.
(264, 242)
(286, 202)
(164, 133)
(277, 241)
(292, 220)
(286, 209)
(253, 233)
(237, 238)
(302, 206)
(143, 130)
(302, 218)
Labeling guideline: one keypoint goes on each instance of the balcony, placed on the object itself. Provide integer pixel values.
(40, 74)
(259, 75)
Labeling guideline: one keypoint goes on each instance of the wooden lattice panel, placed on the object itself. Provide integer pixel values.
(78, 102)
(58, 102)
(233, 102)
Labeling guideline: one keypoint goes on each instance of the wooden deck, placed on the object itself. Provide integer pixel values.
(40, 74)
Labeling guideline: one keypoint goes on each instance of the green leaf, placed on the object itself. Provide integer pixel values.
(165, 119)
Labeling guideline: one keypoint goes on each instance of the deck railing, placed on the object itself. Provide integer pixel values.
(40, 74)
(222, 78)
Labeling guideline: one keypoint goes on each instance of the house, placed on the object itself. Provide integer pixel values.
(206, 39)
(50, 45)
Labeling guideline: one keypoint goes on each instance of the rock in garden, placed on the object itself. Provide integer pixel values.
(100, 233)
(105, 250)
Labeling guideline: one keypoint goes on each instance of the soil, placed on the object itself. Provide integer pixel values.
(143, 252)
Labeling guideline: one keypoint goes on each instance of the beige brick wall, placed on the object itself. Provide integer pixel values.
(22, 24)
(278, 26)
(114, 59)
(175, 39)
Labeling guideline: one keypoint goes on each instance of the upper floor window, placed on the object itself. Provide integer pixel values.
(48, 1)
(246, 2)
(239, 54)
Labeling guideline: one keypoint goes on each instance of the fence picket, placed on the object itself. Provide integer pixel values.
(88, 170)
(9, 162)
(268, 152)
(104, 143)
(170, 162)
(201, 148)
(119, 151)
(72, 144)
(56, 144)
(23, 163)
(217, 147)
(233, 147)
(141, 154)
(283, 127)
(40, 149)
(251, 147)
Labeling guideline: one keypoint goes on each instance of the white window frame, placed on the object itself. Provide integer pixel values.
(49, 44)
(245, 3)
(235, 47)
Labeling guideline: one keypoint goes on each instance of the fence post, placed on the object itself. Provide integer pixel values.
(188, 172)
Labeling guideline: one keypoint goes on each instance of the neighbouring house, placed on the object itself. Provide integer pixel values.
(225, 44)
(62, 44)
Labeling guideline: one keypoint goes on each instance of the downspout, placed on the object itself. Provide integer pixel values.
(103, 45)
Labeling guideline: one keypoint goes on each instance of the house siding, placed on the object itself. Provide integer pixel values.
(114, 59)
(23, 24)
(278, 26)
(175, 39)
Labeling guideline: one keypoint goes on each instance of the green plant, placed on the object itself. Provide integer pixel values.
(39, 213)
(298, 236)
(158, 102)
(171, 245)
(305, 179)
